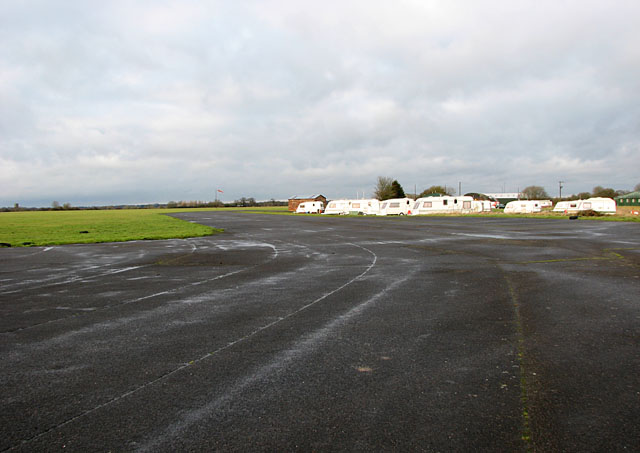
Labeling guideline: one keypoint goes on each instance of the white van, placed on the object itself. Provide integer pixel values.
(396, 206)
(310, 207)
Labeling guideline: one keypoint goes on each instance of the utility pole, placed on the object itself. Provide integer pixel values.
(560, 187)
(459, 188)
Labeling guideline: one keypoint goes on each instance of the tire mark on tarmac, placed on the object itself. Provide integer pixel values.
(52, 282)
(55, 280)
(192, 362)
(303, 347)
(150, 296)
(47, 282)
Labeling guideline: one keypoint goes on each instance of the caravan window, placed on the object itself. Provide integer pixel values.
(332, 205)
(427, 204)
(384, 205)
(587, 205)
(445, 202)
(417, 205)
(466, 205)
(356, 205)
(394, 205)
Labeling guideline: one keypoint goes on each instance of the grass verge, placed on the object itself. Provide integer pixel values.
(19, 229)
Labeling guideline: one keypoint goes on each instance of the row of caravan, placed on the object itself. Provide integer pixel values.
(406, 206)
(598, 204)
(450, 205)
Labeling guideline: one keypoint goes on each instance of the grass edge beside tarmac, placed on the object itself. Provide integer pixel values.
(45, 228)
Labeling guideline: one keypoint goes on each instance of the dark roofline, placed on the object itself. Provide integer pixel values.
(312, 197)
(629, 195)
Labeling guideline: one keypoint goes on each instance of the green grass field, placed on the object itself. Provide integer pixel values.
(80, 227)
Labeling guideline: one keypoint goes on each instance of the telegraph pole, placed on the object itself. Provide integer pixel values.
(560, 188)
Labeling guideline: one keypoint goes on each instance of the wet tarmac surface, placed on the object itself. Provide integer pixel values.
(315, 333)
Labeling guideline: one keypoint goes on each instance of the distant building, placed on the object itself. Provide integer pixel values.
(505, 197)
(295, 201)
(630, 199)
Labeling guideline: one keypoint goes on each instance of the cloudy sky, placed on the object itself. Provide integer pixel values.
(109, 102)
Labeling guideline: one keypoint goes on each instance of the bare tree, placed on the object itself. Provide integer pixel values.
(605, 192)
(383, 189)
(438, 190)
(535, 193)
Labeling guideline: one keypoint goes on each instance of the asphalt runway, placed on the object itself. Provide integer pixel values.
(290, 333)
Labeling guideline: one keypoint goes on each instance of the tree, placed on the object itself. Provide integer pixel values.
(583, 195)
(398, 191)
(599, 191)
(437, 190)
(535, 193)
(637, 188)
(383, 189)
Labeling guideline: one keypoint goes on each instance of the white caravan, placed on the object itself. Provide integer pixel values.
(396, 206)
(310, 207)
(604, 205)
(523, 206)
(449, 205)
(339, 207)
(370, 206)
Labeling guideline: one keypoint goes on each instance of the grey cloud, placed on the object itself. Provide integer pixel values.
(111, 102)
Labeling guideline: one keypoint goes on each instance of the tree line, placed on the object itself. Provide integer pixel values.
(387, 188)
(539, 193)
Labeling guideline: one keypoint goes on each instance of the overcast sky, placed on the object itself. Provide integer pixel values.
(110, 102)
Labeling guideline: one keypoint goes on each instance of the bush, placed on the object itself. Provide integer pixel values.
(590, 213)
